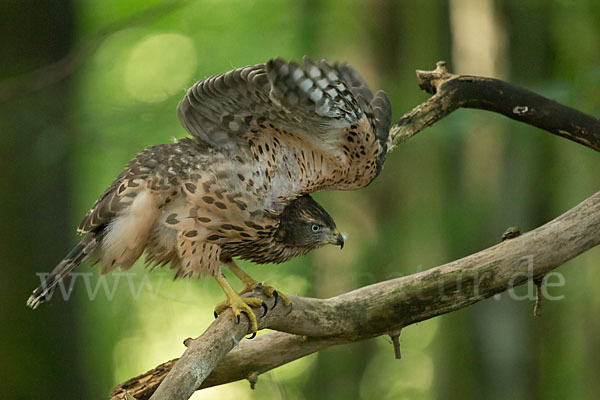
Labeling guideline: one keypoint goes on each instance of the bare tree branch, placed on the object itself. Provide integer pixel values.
(451, 92)
(217, 357)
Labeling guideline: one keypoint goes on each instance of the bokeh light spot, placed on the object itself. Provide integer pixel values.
(160, 66)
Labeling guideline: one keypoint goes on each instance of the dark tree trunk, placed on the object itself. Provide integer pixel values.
(39, 349)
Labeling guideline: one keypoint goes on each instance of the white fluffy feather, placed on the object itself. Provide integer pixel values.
(127, 234)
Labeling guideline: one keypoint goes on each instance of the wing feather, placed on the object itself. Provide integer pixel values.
(321, 104)
(137, 176)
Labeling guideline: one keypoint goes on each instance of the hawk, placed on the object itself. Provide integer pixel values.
(263, 138)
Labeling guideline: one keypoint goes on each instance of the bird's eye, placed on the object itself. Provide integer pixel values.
(315, 228)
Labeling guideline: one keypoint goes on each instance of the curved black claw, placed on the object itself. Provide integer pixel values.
(215, 314)
(253, 336)
(291, 307)
(237, 318)
(265, 309)
(276, 297)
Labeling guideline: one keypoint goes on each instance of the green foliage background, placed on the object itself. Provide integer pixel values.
(450, 191)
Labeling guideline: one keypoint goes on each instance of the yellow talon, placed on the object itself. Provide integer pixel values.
(270, 291)
(250, 285)
(239, 304)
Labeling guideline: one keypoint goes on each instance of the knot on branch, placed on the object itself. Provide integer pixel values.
(395, 336)
(430, 81)
(511, 233)
(252, 378)
(537, 307)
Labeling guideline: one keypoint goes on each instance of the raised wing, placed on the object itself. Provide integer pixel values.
(323, 116)
(379, 105)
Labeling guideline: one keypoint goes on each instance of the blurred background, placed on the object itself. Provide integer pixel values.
(86, 84)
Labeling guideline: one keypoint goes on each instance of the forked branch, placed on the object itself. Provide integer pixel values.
(218, 357)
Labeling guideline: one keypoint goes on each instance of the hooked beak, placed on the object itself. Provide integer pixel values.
(337, 239)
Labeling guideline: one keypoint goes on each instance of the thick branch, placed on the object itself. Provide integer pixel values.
(388, 306)
(373, 310)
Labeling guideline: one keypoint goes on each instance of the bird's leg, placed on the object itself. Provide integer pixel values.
(239, 304)
(250, 284)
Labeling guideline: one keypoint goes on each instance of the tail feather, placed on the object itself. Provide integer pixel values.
(64, 268)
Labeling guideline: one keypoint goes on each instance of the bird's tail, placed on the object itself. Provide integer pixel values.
(72, 260)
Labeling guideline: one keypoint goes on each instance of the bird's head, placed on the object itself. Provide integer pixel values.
(305, 225)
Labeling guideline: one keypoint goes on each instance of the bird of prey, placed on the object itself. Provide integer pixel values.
(263, 138)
